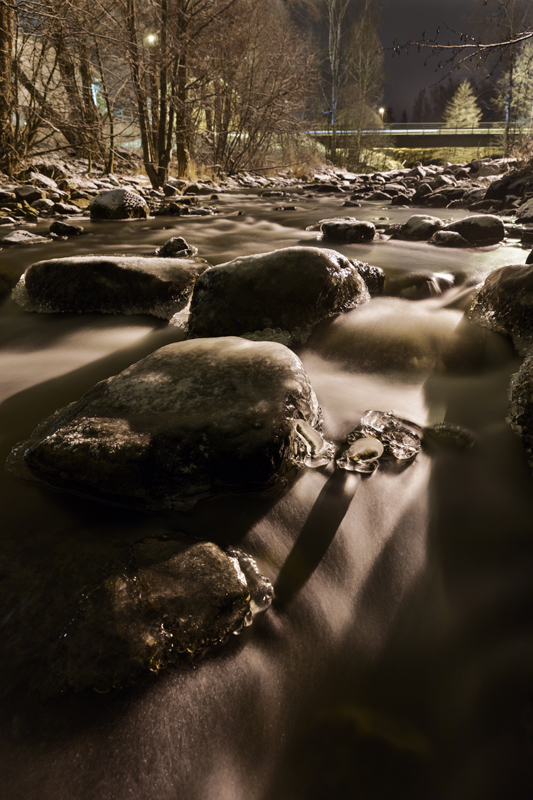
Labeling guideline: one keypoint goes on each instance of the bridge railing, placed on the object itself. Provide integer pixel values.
(432, 128)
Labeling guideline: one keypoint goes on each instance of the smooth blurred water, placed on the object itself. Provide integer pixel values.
(396, 660)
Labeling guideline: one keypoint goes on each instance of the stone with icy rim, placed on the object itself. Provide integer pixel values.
(191, 420)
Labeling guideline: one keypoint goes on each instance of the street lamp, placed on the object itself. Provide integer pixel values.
(381, 112)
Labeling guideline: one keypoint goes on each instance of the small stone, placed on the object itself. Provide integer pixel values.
(362, 455)
(399, 438)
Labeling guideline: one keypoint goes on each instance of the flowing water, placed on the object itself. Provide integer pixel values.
(396, 659)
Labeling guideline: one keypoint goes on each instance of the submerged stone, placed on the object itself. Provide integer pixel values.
(191, 420)
(174, 598)
(504, 303)
(176, 247)
(108, 284)
(290, 289)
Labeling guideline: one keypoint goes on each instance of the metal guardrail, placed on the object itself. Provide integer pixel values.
(432, 128)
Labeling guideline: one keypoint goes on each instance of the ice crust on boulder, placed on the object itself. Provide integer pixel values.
(173, 598)
(191, 420)
(109, 285)
(290, 289)
(398, 437)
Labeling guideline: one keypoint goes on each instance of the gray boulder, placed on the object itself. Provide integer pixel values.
(290, 290)
(108, 284)
(479, 229)
(65, 229)
(348, 230)
(191, 420)
(118, 204)
(504, 303)
(176, 247)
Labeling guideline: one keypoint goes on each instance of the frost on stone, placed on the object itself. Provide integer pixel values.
(520, 413)
(362, 455)
(400, 439)
(310, 447)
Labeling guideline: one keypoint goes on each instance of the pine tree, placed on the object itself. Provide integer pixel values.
(462, 111)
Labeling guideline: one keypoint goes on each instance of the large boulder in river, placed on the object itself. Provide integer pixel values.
(109, 284)
(479, 229)
(118, 204)
(288, 290)
(504, 303)
(193, 419)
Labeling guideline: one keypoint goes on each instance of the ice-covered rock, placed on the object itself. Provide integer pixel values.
(504, 303)
(291, 289)
(479, 229)
(361, 455)
(191, 420)
(118, 204)
(175, 598)
(349, 230)
(108, 284)
(399, 438)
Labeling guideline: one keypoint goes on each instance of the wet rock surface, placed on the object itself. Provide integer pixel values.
(108, 284)
(347, 230)
(290, 289)
(191, 420)
(520, 413)
(504, 303)
(479, 229)
(118, 204)
(109, 615)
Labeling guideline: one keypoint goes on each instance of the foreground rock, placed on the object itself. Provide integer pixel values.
(282, 293)
(504, 303)
(175, 598)
(190, 420)
(118, 204)
(108, 284)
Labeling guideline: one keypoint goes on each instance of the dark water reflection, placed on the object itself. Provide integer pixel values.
(396, 661)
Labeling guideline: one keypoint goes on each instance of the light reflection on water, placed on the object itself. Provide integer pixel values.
(406, 609)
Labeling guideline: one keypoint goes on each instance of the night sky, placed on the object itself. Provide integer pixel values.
(404, 20)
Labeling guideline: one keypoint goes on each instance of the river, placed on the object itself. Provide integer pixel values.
(398, 664)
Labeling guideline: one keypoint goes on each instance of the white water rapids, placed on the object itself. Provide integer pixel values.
(396, 659)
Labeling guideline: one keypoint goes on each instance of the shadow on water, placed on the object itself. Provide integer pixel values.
(316, 535)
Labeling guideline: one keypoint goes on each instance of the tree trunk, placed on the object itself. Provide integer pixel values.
(7, 145)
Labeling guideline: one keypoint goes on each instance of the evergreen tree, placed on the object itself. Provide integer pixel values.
(462, 110)
(404, 119)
